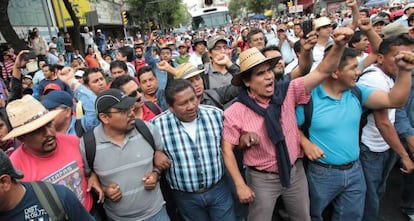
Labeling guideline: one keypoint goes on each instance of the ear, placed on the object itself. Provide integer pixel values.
(171, 109)
(335, 75)
(246, 83)
(380, 59)
(103, 117)
(5, 183)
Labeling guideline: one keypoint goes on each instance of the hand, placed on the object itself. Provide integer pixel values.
(113, 192)
(309, 42)
(98, 55)
(407, 165)
(150, 180)
(364, 24)
(164, 66)
(93, 183)
(245, 194)
(161, 160)
(351, 3)
(405, 60)
(67, 75)
(222, 59)
(249, 139)
(312, 151)
(342, 35)
(20, 62)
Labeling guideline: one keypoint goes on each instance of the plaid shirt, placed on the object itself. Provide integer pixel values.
(194, 164)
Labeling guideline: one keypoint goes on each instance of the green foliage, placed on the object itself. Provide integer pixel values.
(235, 7)
(258, 6)
(166, 13)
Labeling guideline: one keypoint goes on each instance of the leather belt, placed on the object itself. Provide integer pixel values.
(338, 167)
(260, 171)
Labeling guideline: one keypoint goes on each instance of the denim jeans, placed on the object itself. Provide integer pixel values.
(215, 204)
(376, 166)
(407, 196)
(344, 188)
(160, 216)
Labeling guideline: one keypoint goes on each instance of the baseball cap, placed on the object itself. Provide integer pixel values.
(51, 86)
(28, 76)
(6, 167)
(394, 29)
(56, 98)
(378, 19)
(113, 98)
(408, 6)
(99, 30)
(213, 41)
(79, 73)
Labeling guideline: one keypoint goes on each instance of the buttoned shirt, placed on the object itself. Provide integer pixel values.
(196, 164)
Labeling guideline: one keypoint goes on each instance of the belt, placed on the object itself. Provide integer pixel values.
(260, 171)
(338, 167)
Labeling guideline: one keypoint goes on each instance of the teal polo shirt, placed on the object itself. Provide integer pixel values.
(335, 124)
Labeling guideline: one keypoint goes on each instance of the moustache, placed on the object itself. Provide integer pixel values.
(48, 139)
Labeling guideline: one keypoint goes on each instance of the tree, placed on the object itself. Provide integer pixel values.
(75, 36)
(258, 6)
(235, 7)
(7, 30)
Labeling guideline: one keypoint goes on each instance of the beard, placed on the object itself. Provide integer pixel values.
(139, 56)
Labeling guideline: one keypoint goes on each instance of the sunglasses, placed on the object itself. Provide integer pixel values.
(135, 93)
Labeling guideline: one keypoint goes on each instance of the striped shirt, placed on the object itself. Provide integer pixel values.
(7, 69)
(194, 164)
(239, 119)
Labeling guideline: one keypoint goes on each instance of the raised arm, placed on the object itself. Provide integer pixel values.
(399, 93)
(330, 62)
(306, 56)
(352, 4)
(374, 39)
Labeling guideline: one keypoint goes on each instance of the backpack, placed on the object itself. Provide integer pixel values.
(48, 198)
(154, 109)
(308, 112)
(90, 142)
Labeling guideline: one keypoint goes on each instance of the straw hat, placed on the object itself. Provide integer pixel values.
(249, 59)
(322, 21)
(26, 115)
(187, 70)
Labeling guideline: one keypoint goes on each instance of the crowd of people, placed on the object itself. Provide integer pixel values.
(232, 124)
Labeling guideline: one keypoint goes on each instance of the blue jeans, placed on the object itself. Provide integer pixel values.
(376, 166)
(407, 196)
(160, 216)
(214, 205)
(344, 188)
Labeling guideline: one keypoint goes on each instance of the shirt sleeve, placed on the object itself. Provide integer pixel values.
(232, 125)
(402, 123)
(87, 98)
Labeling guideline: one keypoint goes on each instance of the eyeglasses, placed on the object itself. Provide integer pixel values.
(219, 48)
(280, 30)
(121, 111)
(135, 93)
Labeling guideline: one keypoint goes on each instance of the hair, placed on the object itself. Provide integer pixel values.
(52, 67)
(127, 52)
(5, 118)
(410, 19)
(89, 71)
(175, 87)
(386, 44)
(365, 10)
(145, 69)
(270, 48)
(118, 64)
(355, 39)
(121, 81)
(348, 53)
(254, 31)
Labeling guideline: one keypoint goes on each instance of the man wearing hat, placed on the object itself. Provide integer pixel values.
(323, 28)
(19, 201)
(124, 161)
(262, 121)
(191, 135)
(219, 97)
(100, 40)
(183, 56)
(220, 70)
(408, 10)
(45, 155)
(199, 47)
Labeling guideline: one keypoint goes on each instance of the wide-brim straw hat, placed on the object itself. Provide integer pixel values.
(27, 115)
(249, 59)
(187, 70)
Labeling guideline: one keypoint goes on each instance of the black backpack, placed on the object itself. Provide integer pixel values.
(48, 198)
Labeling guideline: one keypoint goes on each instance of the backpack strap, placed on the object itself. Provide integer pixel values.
(357, 92)
(78, 128)
(308, 112)
(206, 79)
(48, 198)
(152, 107)
(145, 132)
(90, 148)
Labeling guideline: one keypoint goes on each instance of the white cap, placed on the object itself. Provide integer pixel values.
(99, 30)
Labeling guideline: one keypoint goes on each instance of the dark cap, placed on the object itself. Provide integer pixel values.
(113, 98)
(6, 167)
(56, 98)
(199, 40)
(213, 41)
